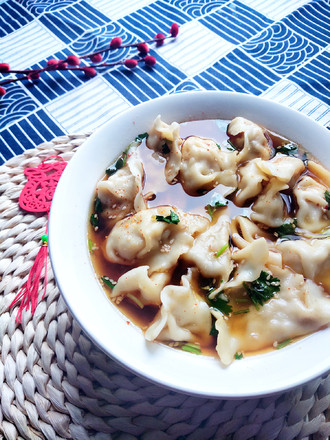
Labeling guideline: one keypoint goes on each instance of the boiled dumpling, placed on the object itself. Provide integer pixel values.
(121, 193)
(301, 307)
(250, 182)
(165, 140)
(138, 283)
(250, 139)
(269, 207)
(203, 253)
(183, 315)
(204, 166)
(308, 258)
(313, 213)
(158, 244)
(284, 168)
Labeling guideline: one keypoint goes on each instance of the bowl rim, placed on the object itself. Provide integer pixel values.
(56, 228)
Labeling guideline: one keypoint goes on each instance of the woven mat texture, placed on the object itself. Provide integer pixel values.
(56, 384)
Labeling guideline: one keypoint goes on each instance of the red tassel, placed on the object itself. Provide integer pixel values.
(28, 295)
(37, 197)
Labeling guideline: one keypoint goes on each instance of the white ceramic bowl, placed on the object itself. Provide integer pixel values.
(253, 376)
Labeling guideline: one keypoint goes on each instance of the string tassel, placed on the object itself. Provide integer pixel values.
(28, 295)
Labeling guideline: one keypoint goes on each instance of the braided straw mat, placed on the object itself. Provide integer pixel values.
(56, 384)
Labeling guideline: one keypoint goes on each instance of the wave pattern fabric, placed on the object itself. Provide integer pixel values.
(280, 50)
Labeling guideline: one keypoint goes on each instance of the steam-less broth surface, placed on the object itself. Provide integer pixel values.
(178, 195)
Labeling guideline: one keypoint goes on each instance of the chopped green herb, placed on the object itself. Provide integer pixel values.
(192, 348)
(217, 201)
(135, 300)
(242, 300)
(211, 210)
(219, 146)
(221, 303)
(283, 344)
(231, 145)
(91, 245)
(98, 205)
(287, 229)
(238, 355)
(213, 331)
(165, 148)
(108, 282)
(94, 219)
(222, 250)
(172, 218)
(289, 149)
(327, 198)
(140, 137)
(262, 289)
(240, 312)
(121, 162)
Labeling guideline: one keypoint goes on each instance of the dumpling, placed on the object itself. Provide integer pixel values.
(284, 168)
(183, 315)
(204, 166)
(250, 262)
(159, 244)
(269, 208)
(308, 258)
(250, 182)
(165, 140)
(301, 307)
(312, 213)
(203, 253)
(121, 193)
(250, 139)
(138, 283)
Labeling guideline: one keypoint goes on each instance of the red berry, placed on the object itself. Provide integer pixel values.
(143, 48)
(34, 75)
(89, 72)
(62, 65)
(149, 60)
(130, 63)
(174, 29)
(73, 60)
(2, 91)
(4, 67)
(96, 58)
(160, 39)
(52, 62)
(115, 43)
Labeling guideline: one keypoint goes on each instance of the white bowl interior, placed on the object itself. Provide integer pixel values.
(258, 375)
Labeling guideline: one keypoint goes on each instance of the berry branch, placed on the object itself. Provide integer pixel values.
(72, 62)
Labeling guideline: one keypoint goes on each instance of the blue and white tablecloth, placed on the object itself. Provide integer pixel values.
(277, 49)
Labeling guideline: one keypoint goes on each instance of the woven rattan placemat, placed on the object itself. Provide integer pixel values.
(56, 384)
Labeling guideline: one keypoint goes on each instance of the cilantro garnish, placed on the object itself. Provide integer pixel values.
(262, 289)
(238, 355)
(231, 145)
(98, 205)
(219, 146)
(241, 312)
(172, 218)
(191, 348)
(91, 245)
(213, 331)
(94, 219)
(140, 137)
(217, 201)
(327, 198)
(121, 162)
(287, 229)
(221, 303)
(283, 344)
(108, 282)
(222, 250)
(289, 149)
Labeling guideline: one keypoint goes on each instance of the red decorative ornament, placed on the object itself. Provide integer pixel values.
(36, 197)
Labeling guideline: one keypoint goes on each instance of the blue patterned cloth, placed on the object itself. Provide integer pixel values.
(279, 49)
